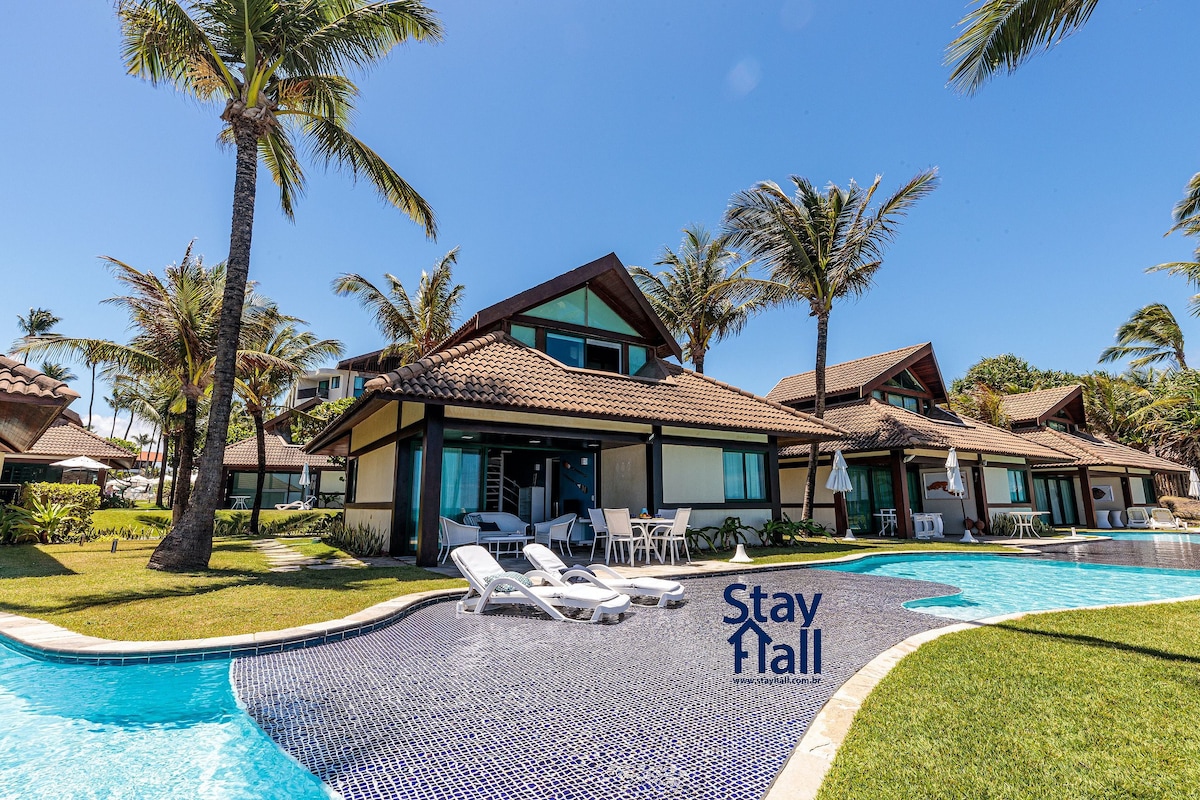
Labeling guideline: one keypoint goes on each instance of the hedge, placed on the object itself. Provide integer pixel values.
(84, 498)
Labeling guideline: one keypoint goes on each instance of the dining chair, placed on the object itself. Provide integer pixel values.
(621, 532)
(671, 536)
(599, 529)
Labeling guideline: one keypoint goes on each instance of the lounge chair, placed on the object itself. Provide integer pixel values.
(489, 586)
(1138, 517)
(555, 530)
(544, 560)
(1163, 520)
(297, 505)
(453, 534)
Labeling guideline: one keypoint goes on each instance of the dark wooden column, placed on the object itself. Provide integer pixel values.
(1089, 502)
(654, 470)
(841, 516)
(402, 499)
(1032, 494)
(1126, 492)
(773, 487)
(900, 495)
(981, 498)
(431, 486)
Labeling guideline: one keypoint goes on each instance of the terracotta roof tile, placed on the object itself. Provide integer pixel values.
(495, 370)
(280, 455)
(1031, 406)
(840, 378)
(873, 425)
(1088, 450)
(19, 379)
(64, 439)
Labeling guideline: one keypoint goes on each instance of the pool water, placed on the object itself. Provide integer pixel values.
(1149, 536)
(993, 585)
(145, 732)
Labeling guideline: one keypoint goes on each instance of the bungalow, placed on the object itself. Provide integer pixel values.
(66, 438)
(30, 402)
(285, 464)
(1097, 476)
(558, 400)
(897, 440)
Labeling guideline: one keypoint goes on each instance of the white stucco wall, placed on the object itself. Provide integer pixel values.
(623, 477)
(693, 474)
(376, 474)
(996, 481)
(791, 485)
(1114, 484)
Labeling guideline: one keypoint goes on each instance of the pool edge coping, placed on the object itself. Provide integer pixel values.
(804, 772)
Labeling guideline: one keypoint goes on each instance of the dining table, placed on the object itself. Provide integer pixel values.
(1024, 523)
(647, 525)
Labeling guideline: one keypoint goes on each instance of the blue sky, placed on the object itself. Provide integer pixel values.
(546, 134)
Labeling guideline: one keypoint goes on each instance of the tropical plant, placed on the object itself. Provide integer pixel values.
(726, 536)
(1010, 374)
(361, 540)
(292, 353)
(1150, 336)
(48, 520)
(820, 247)
(412, 326)
(59, 372)
(1172, 420)
(307, 424)
(1112, 403)
(13, 520)
(38, 322)
(704, 295)
(981, 402)
(279, 67)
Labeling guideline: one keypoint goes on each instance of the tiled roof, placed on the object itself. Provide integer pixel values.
(497, 371)
(1033, 406)
(839, 378)
(18, 379)
(1088, 450)
(873, 425)
(243, 455)
(64, 439)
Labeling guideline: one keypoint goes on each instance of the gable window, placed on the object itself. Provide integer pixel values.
(745, 475)
(906, 380)
(584, 308)
(638, 356)
(576, 351)
(524, 334)
(565, 349)
(1018, 491)
(1054, 424)
(899, 400)
(604, 356)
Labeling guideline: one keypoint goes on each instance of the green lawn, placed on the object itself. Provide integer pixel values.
(111, 518)
(816, 549)
(314, 549)
(112, 595)
(1066, 706)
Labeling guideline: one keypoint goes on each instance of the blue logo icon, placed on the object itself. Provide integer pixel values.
(761, 637)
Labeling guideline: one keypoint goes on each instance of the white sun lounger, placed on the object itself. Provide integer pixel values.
(544, 560)
(1138, 517)
(1162, 519)
(477, 566)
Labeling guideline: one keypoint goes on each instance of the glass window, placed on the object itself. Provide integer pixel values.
(1018, 492)
(337, 382)
(323, 386)
(878, 395)
(351, 479)
(745, 475)
(525, 335)
(1148, 489)
(460, 481)
(600, 315)
(582, 307)
(1056, 425)
(895, 399)
(604, 356)
(360, 384)
(905, 380)
(278, 487)
(912, 403)
(638, 356)
(566, 349)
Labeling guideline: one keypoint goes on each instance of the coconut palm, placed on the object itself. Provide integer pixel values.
(38, 322)
(1151, 336)
(820, 247)
(1001, 35)
(413, 326)
(258, 384)
(704, 295)
(59, 372)
(279, 67)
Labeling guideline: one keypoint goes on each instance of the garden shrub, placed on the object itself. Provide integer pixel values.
(361, 540)
(81, 499)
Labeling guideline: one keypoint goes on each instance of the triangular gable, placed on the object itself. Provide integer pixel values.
(606, 280)
(1039, 406)
(863, 375)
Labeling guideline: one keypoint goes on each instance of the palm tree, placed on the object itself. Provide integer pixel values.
(38, 322)
(59, 372)
(412, 326)
(820, 247)
(1151, 336)
(279, 67)
(1001, 35)
(704, 295)
(293, 352)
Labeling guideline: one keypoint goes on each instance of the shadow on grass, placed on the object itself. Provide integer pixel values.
(1105, 644)
(27, 561)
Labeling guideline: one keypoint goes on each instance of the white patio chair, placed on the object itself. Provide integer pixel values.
(622, 536)
(1162, 519)
(1138, 517)
(665, 513)
(453, 534)
(544, 559)
(673, 535)
(599, 529)
(489, 586)
(297, 505)
(543, 532)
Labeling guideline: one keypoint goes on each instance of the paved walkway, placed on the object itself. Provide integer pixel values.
(282, 558)
(445, 706)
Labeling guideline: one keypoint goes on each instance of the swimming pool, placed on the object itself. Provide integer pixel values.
(1149, 536)
(993, 585)
(161, 731)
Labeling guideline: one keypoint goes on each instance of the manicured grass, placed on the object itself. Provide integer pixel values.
(816, 549)
(317, 549)
(112, 595)
(1064, 706)
(111, 518)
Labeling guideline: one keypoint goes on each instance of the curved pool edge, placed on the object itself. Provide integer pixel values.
(49, 642)
(805, 770)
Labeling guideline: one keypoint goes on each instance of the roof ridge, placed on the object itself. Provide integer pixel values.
(860, 358)
(428, 362)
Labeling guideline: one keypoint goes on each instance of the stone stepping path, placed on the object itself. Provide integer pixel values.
(282, 558)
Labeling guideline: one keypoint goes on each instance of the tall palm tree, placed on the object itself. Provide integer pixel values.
(704, 295)
(279, 66)
(1151, 335)
(820, 247)
(413, 326)
(59, 372)
(293, 352)
(38, 322)
(1001, 35)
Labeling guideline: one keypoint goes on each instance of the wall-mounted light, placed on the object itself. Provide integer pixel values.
(908, 459)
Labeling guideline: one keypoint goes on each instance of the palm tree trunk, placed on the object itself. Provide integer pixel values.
(260, 434)
(189, 544)
(112, 433)
(129, 427)
(92, 396)
(810, 487)
(175, 451)
(161, 446)
(187, 451)
(1179, 359)
(698, 361)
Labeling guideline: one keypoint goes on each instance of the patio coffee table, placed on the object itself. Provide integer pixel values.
(239, 500)
(505, 543)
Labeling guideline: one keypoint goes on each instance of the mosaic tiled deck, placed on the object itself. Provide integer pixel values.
(507, 706)
(1181, 551)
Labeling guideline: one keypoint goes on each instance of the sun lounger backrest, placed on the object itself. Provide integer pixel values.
(1163, 516)
(543, 558)
(476, 563)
